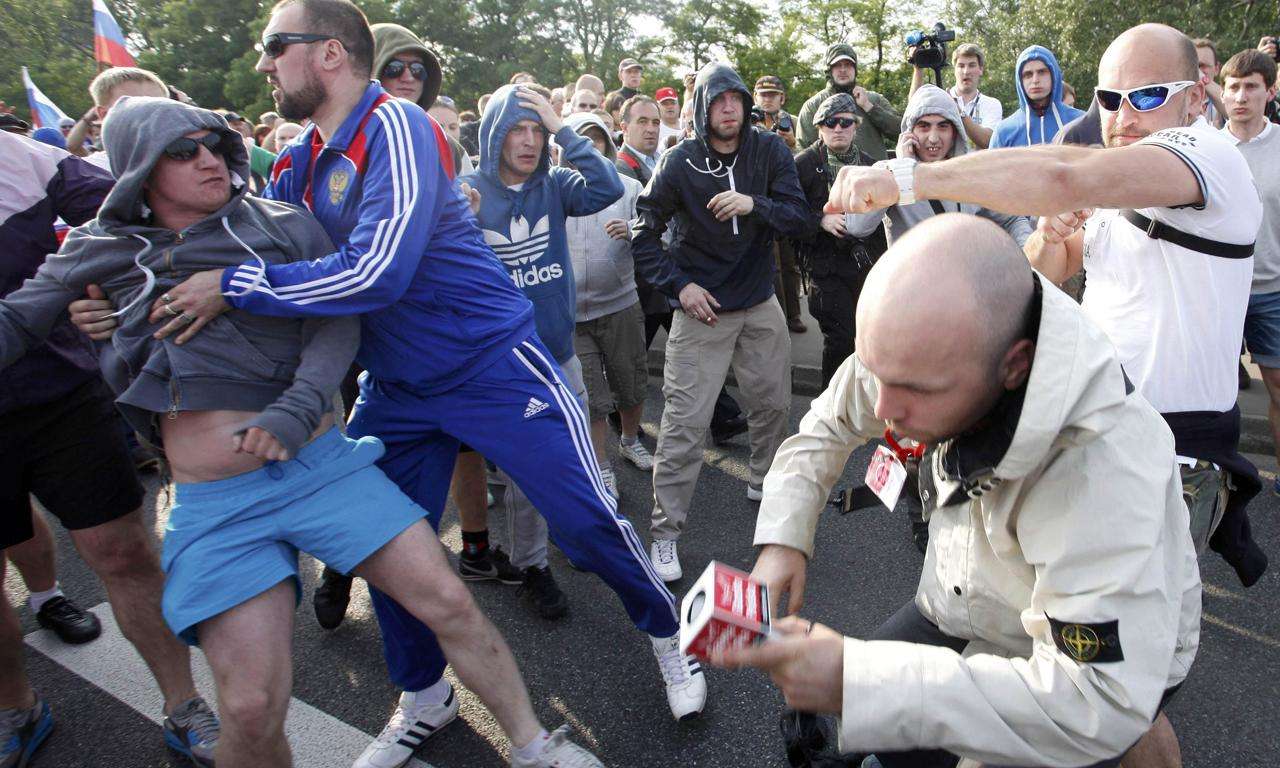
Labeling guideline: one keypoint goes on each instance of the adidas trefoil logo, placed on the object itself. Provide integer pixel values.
(534, 407)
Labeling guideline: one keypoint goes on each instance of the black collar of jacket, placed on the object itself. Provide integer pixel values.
(965, 466)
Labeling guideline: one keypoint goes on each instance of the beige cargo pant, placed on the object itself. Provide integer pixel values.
(756, 343)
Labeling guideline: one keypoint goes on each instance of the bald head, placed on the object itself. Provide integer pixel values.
(938, 319)
(1160, 49)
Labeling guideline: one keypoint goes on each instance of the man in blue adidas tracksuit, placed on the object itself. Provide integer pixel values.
(448, 345)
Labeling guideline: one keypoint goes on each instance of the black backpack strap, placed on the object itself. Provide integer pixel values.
(1160, 231)
(937, 207)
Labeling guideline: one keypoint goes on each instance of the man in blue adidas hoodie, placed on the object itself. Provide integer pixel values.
(1042, 111)
(448, 343)
(524, 202)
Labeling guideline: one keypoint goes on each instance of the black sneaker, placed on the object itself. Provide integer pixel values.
(331, 598)
(542, 593)
(726, 431)
(492, 565)
(68, 621)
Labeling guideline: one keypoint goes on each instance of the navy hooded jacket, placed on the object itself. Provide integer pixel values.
(732, 259)
(526, 227)
(1029, 126)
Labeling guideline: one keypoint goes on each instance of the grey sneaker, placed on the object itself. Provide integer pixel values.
(637, 454)
(559, 752)
(610, 481)
(192, 730)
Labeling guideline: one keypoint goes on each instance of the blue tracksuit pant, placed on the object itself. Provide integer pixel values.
(519, 414)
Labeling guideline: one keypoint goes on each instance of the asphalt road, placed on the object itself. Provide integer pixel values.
(594, 671)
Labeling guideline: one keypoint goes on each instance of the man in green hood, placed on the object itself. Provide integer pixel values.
(878, 117)
(408, 69)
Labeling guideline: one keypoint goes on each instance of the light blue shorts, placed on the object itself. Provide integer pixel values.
(230, 540)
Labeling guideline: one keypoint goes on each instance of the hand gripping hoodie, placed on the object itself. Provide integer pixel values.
(526, 226)
(1029, 126)
(732, 259)
(287, 369)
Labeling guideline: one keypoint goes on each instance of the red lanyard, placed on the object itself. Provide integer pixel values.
(915, 452)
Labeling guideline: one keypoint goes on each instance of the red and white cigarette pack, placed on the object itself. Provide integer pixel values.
(724, 609)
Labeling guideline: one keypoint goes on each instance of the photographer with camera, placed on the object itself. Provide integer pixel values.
(1042, 112)
(979, 112)
(878, 117)
(768, 113)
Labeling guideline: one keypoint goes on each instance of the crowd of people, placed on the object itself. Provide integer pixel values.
(326, 324)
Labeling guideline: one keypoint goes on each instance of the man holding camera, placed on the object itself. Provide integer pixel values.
(878, 117)
(979, 112)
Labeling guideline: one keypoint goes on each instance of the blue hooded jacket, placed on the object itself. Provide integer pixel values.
(1028, 125)
(526, 227)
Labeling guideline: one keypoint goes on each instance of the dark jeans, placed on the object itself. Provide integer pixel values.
(909, 625)
(833, 302)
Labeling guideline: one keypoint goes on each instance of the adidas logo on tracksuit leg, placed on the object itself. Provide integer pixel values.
(534, 407)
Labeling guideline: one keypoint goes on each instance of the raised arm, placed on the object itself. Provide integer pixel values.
(1035, 181)
(594, 186)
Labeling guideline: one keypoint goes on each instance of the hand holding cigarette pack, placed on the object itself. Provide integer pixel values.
(724, 609)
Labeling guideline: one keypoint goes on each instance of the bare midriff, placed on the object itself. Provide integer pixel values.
(200, 448)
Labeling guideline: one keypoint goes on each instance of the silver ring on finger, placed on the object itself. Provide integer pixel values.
(170, 311)
(166, 298)
(186, 319)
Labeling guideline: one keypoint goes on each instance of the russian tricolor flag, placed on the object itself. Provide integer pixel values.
(44, 113)
(108, 40)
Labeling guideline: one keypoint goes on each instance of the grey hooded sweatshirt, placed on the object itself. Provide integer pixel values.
(286, 368)
(603, 271)
(932, 100)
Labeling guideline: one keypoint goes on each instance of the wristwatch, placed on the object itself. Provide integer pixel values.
(904, 172)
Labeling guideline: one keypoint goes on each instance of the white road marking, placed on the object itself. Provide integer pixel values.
(318, 739)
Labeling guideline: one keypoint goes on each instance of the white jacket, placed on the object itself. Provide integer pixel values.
(1055, 520)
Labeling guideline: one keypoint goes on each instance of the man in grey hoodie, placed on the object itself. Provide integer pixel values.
(243, 411)
(932, 130)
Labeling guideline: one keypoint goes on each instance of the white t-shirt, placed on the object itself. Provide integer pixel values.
(99, 159)
(663, 132)
(1176, 316)
(985, 110)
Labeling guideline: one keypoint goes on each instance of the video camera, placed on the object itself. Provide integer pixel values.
(783, 123)
(931, 49)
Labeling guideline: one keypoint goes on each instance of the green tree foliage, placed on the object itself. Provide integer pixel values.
(206, 48)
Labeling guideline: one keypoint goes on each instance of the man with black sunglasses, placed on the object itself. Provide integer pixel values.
(1167, 255)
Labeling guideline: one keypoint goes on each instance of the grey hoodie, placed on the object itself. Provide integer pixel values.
(603, 271)
(286, 368)
(932, 100)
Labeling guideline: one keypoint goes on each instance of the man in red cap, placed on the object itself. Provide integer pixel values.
(670, 131)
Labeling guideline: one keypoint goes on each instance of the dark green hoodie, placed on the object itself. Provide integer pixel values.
(392, 39)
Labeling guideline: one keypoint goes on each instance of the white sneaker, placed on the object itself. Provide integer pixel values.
(410, 725)
(637, 454)
(754, 493)
(610, 481)
(559, 752)
(665, 560)
(686, 685)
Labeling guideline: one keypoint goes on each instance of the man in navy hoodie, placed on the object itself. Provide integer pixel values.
(448, 343)
(731, 190)
(524, 202)
(1042, 111)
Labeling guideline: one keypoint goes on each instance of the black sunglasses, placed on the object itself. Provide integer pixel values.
(843, 122)
(396, 67)
(273, 45)
(184, 148)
